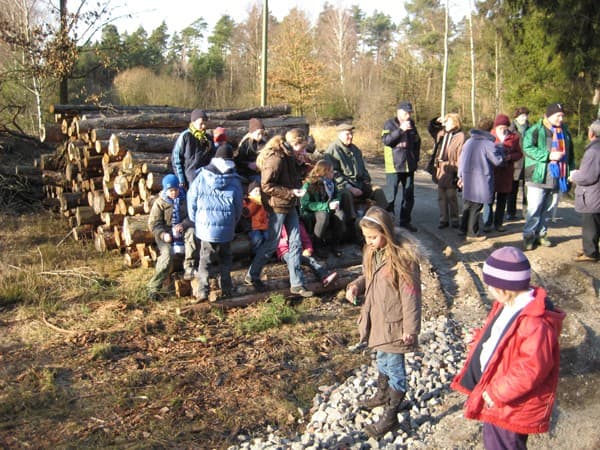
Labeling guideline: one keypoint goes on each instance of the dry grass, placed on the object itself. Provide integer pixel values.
(88, 361)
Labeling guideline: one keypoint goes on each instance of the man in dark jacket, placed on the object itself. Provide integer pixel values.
(193, 149)
(401, 152)
(587, 195)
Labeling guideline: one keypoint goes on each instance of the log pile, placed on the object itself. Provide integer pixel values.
(110, 160)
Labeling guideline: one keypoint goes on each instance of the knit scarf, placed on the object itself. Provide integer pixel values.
(329, 187)
(558, 169)
(198, 134)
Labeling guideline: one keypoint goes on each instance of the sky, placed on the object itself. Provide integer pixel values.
(178, 14)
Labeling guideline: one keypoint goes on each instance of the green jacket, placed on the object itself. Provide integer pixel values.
(537, 143)
(348, 165)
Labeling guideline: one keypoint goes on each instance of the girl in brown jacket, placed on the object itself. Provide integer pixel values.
(390, 318)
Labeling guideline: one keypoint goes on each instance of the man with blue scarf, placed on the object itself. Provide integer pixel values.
(173, 232)
(549, 157)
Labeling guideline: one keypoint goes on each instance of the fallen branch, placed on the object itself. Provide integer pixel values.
(55, 328)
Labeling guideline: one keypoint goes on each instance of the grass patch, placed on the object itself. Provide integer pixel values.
(272, 314)
(103, 351)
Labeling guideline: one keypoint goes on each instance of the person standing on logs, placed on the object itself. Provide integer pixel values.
(193, 149)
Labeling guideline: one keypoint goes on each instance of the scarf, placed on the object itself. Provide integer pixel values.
(558, 169)
(175, 218)
(443, 156)
(198, 134)
(329, 187)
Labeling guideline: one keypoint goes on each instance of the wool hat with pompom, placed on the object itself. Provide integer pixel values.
(170, 182)
(507, 268)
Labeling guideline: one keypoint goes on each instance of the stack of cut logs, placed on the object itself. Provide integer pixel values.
(110, 160)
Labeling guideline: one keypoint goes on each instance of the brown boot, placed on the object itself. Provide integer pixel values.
(389, 418)
(380, 397)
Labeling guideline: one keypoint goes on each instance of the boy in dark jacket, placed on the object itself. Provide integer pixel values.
(173, 232)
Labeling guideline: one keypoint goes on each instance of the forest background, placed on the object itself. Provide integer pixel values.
(346, 65)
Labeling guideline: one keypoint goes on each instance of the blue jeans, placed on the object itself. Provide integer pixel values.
(257, 237)
(539, 205)
(392, 366)
(268, 247)
(311, 262)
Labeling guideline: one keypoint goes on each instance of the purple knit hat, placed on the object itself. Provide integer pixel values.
(507, 268)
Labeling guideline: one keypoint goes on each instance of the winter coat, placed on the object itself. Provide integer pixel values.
(522, 373)
(587, 178)
(259, 218)
(479, 155)
(348, 165)
(520, 130)
(215, 203)
(247, 152)
(446, 166)
(283, 244)
(190, 154)
(387, 313)
(503, 174)
(316, 198)
(537, 143)
(160, 219)
(402, 149)
(279, 178)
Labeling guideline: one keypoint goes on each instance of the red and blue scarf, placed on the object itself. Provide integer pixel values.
(558, 169)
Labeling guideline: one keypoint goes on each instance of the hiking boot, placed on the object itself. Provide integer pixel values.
(528, 244)
(301, 291)
(257, 284)
(189, 274)
(389, 418)
(326, 281)
(500, 229)
(381, 395)
(443, 225)
(487, 228)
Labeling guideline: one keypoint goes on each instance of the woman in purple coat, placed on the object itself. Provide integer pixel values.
(476, 165)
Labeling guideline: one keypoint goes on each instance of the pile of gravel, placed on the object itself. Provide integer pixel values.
(335, 421)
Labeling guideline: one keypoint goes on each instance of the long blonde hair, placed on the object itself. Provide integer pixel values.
(401, 253)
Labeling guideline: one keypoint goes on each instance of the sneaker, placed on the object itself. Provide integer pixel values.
(189, 274)
(301, 291)
(584, 258)
(326, 281)
(500, 229)
(409, 226)
(544, 241)
(487, 228)
(443, 225)
(257, 284)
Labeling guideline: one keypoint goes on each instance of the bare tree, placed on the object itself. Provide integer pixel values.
(472, 48)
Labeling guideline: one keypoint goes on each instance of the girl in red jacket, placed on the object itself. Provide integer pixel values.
(511, 371)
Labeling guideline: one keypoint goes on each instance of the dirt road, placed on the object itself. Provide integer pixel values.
(572, 286)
